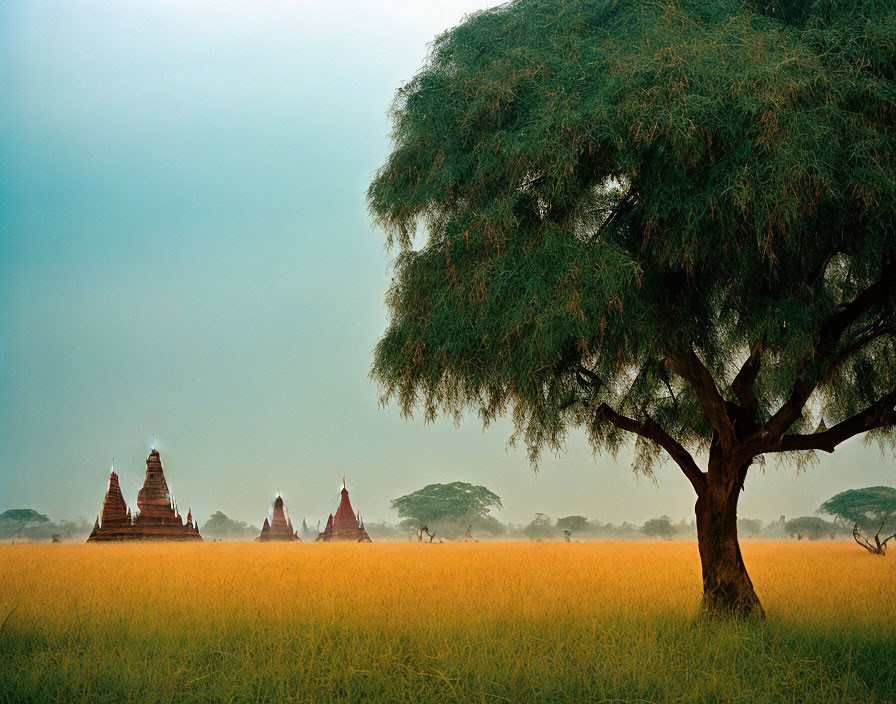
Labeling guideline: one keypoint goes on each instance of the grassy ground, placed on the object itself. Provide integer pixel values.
(487, 622)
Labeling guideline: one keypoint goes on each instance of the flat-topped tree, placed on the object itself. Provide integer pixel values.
(672, 222)
(871, 510)
(449, 508)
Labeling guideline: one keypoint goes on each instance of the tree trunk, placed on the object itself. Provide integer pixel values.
(727, 589)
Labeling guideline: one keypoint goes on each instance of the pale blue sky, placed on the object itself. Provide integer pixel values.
(185, 250)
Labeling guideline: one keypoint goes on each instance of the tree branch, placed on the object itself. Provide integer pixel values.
(625, 205)
(742, 386)
(871, 333)
(689, 367)
(861, 540)
(651, 430)
(593, 380)
(879, 415)
(828, 339)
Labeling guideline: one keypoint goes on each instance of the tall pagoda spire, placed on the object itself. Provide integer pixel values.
(115, 509)
(344, 524)
(154, 499)
(114, 519)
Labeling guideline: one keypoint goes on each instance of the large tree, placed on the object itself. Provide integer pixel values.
(672, 222)
(16, 522)
(220, 525)
(450, 507)
(659, 527)
(574, 524)
(811, 527)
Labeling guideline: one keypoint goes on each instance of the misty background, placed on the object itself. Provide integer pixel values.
(186, 251)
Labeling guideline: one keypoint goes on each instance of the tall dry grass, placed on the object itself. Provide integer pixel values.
(454, 622)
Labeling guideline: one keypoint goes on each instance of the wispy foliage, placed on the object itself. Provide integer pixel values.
(586, 187)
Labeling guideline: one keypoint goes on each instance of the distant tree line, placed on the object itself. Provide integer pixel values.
(28, 524)
(451, 511)
(459, 511)
(542, 527)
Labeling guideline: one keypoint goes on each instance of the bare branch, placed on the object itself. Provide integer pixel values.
(625, 205)
(871, 333)
(862, 540)
(690, 368)
(742, 386)
(593, 380)
(651, 430)
(879, 548)
(879, 415)
(828, 340)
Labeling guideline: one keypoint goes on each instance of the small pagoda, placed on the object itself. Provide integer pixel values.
(157, 515)
(346, 525)
(279, 527)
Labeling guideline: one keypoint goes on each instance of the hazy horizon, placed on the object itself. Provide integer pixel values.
(186, 251)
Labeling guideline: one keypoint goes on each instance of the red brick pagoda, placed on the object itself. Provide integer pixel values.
(280, 525)
(116, 516)
(346, 524)
(157, 517)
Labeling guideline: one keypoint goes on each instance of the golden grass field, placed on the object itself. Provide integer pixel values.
(410, 622)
